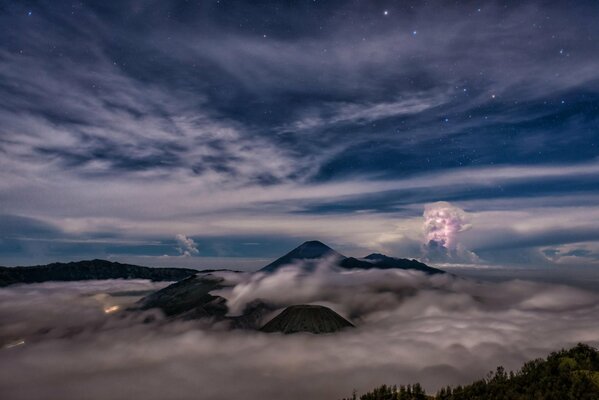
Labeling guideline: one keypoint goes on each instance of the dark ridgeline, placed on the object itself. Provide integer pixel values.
(307, 318)
(89, 270)
(381, 261)
(315, 249)
(566, 374)
(102, 269)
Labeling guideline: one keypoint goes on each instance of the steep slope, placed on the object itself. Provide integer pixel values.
(88, 270)
(189, 298)
(566, 374)
(307, 318)
(310, 250)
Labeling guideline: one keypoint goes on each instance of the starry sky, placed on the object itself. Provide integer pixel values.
(224, 133)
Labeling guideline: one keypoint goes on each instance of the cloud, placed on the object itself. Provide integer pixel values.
(187, 247)
(442, 224)
(410, 327)
(361, 118)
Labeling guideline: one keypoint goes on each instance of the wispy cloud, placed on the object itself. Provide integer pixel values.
(146, 129)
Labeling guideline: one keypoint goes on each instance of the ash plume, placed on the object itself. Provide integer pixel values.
(442, 224)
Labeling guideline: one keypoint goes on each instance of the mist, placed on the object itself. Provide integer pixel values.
(64, 340)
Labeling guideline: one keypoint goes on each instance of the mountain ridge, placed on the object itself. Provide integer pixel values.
(89, 270)
(315, 249)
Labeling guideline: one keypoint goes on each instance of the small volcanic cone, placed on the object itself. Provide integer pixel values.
(307, 318)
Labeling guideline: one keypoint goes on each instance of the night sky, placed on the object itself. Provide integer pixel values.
(224, 133)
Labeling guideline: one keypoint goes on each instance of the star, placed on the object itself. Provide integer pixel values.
(414, 33)
(385, 12)
(29, 13)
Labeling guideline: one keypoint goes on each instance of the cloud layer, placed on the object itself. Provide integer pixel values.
(410, 327)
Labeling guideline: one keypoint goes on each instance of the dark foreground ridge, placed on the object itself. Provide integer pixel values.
(567, 374)
(315, 249)
(307, 318)
(88, 270)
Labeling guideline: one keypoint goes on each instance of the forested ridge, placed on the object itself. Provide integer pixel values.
(564, 375)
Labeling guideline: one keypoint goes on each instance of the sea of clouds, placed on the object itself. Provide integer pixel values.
(59, 342)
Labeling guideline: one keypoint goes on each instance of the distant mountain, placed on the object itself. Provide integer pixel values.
(89, 270)
(306, 251)
(314, 249)
(307, 318)
(382, 261)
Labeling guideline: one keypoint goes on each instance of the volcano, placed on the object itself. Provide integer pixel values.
(195, 297)
(307, 318)
(314, 250)
(310, 250)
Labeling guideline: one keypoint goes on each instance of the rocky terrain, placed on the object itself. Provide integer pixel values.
(307, 318)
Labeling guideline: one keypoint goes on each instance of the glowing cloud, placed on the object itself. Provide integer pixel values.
(442, 222)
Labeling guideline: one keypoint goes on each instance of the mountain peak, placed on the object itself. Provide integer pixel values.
(307, 318)
(310, 250)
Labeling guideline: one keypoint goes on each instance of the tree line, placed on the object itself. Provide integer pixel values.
(564, 375)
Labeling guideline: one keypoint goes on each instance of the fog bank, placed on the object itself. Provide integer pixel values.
(410, 327)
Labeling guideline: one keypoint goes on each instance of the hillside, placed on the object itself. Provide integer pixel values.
(307, 318)
(566, 374)
(89, 270)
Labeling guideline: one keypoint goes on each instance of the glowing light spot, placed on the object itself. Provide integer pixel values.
(16, 343)
(111, 309)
